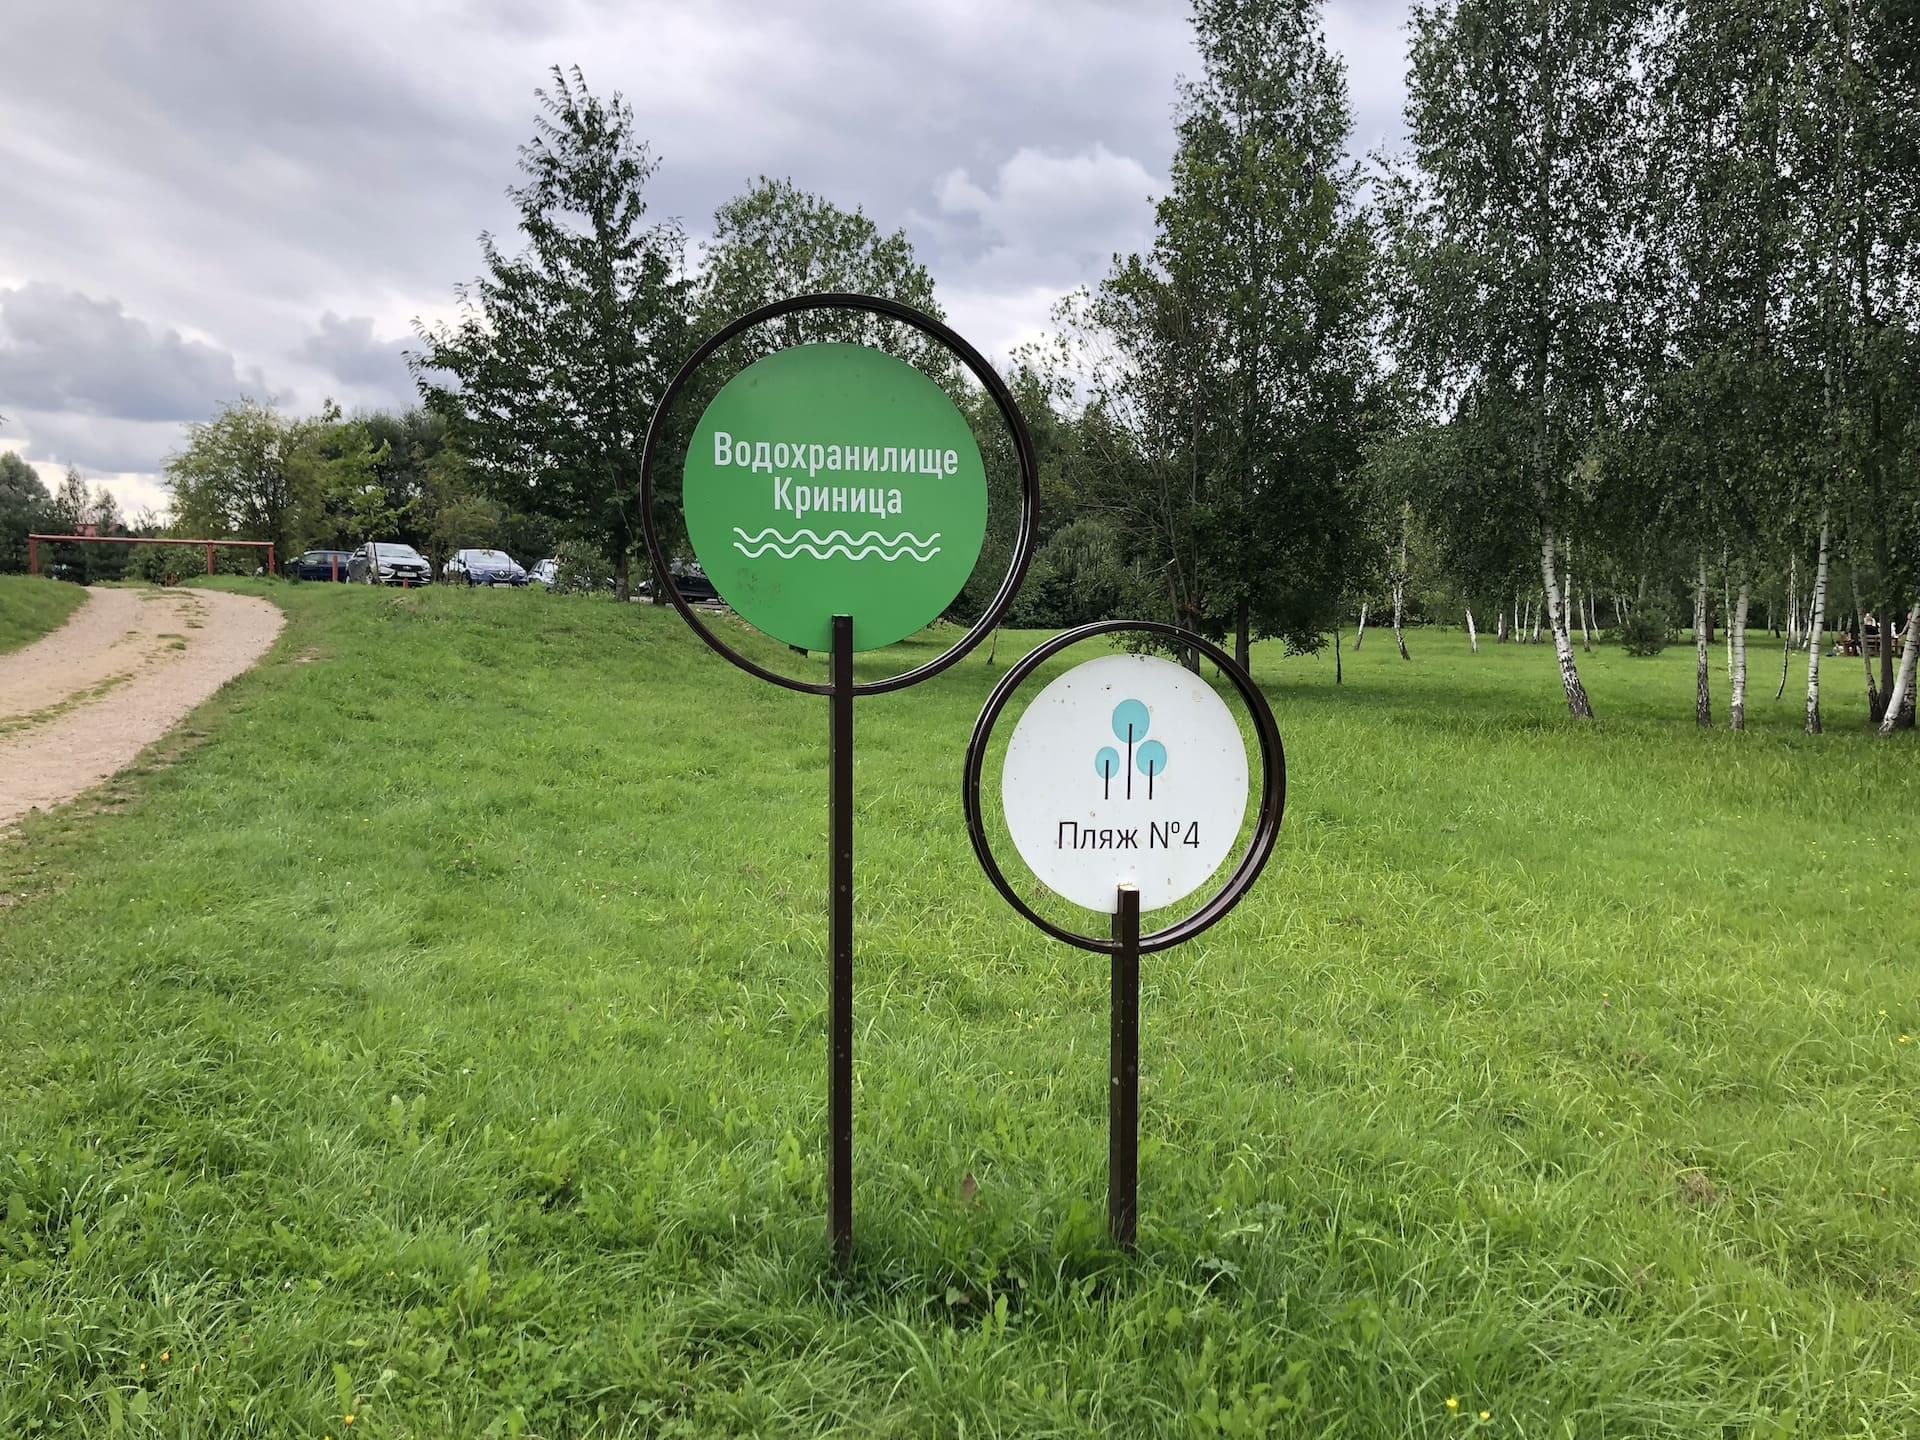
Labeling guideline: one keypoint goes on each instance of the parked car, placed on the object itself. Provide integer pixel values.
(545, 572)
(690, 580)
(320, 565)
(484, 567)
(382, 562)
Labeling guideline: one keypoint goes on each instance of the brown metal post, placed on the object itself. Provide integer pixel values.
(272, 567)
(840, 936)
(209, 559)
(1123, 1090)
(33, 555)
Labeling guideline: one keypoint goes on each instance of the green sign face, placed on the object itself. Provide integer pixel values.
(835, 480)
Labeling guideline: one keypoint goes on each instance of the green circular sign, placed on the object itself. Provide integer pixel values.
(835, 480)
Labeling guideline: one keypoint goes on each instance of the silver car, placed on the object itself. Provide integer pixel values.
(384, 562)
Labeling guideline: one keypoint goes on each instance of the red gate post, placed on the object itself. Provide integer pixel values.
(209, 559)
(272, 568)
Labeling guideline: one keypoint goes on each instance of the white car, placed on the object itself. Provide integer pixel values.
(545, 572)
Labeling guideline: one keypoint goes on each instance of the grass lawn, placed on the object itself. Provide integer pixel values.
(31, 605)
(439, 1041)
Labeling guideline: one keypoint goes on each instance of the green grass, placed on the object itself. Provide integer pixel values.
(439, 1040)
(31, 606)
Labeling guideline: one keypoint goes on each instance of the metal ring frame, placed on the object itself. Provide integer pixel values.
(1273, 785)
(989, 380)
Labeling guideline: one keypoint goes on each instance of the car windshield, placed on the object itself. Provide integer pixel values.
(397, 552)
(488, 557)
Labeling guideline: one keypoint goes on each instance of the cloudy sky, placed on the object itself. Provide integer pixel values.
(204, 199)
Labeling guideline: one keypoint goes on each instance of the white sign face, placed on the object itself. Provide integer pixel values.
(1126, 770)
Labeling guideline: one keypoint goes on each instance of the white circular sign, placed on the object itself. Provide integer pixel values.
(1126, 770)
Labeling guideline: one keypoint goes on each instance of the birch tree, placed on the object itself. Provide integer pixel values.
(1511, 216)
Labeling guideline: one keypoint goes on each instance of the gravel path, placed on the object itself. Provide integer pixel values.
(82, 703)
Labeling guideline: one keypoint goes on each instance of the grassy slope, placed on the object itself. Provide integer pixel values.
(441, 1042)
(30, 606)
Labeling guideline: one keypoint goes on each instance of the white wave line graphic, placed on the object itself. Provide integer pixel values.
(801, 547)
(906, 537)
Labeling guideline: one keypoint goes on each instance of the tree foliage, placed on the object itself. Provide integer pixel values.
(552, 372)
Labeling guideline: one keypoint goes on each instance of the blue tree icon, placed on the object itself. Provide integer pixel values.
(1130, 721)
(1107, 765)
(1151, 761)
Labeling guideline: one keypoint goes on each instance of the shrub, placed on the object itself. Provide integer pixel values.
(1647, 631)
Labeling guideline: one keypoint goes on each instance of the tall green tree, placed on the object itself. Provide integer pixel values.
(1857, 140)
(23, 508)
(1243, 375)
(1512, 221)
(1720, 390)
(776, 240)
(561, 352)
(239, 476)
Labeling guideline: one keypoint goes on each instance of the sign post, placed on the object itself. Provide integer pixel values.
(837, 500)
(1124, 790)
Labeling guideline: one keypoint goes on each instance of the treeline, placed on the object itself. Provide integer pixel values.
(1625, 338)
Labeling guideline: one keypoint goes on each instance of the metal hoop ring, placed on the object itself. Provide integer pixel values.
(1273, 785)
(989, 380)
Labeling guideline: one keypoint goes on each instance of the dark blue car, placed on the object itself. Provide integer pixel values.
(483, 567)
(320, 565)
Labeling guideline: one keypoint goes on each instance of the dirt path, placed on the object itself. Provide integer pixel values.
(83, 702)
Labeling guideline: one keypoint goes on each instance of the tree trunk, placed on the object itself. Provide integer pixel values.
(1888, 610)
(1360, 635)
(1500, 627)
(1814, 624)
(1578, 705)
(1793, 599)
(1338, 677)
(1786, 653)
(1874, 692)
(1400, 586)
(1242, 636)
(623, 575)
(1726, 609)
(1737, 709)
(1702, 694)
(1473, 635)
(1900, 696)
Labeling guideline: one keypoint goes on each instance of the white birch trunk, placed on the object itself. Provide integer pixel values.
(1400, 586)
(1903, 678)
(1360, 634)
(1473, 635)
(1702, 693)
(1814, 623)
(1726, 609)
(1786, 655)
(1793, 600)
(1737, 708)
(1577, 702)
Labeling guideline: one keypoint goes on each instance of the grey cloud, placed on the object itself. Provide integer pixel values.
(372, 369)
(95, 443)
(246, 170)
(64, 351)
